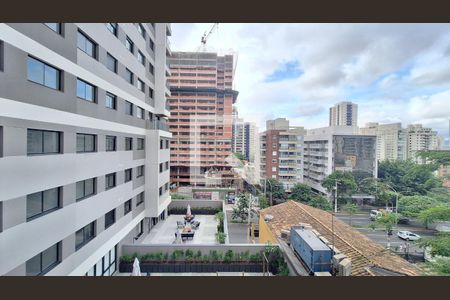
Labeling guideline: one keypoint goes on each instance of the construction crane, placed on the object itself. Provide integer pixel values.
(206, 36)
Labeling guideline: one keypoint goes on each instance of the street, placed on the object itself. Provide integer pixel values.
(362, 221)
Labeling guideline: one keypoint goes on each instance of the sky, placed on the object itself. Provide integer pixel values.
(394, 72)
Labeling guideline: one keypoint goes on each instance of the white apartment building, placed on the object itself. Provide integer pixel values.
(391, 140)
(336, 148)
(245, 139)
(344, 113)
(281, 152)
(84, 144)
(420, 138)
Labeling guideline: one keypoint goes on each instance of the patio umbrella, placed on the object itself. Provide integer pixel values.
(188, 210)
(136, 268)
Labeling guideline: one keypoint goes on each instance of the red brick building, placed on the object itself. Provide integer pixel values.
(201, 105)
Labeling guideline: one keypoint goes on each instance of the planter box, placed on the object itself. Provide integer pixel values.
(193, 267)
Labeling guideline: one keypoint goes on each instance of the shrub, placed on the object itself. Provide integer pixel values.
(126, 259)
(228, 256)
(220, 236)
(177, 254)
(159, 256)
(214, 256)
(189, 255)
(198, 256)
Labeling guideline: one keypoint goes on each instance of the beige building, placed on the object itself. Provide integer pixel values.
(391, 140)
(344, 114)
(420, 138)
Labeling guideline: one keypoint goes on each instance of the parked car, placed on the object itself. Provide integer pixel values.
(403, 220)
(408, 236)
(375, 214)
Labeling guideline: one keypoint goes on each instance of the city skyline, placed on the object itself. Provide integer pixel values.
(403, 68)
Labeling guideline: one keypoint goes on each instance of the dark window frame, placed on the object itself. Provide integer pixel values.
(127, 207)
(2, 63)
(85, 196)
(84, 138)
(140, 170)
(151, 68)
(58, 29)
(130, 176)
(115, 61)
(131, 43)
(140, 144)
(60, 142)
(90, 238)
(51, 266)
(140, 198)
(140, 109)
(114, 219)
(113, 175)
(114, 100)
(94, 91)
(141, 30)
(59, 73)
(114, 138)
(88, 39)
(45, 212)
(130, 76)
(113, 28)
(130, 105)
(130, 140)
(140, 85)
(141, 57)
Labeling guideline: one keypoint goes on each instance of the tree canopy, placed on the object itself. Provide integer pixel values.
(276, 188)
(411, 206)
(433, 214)
(440, 244)
(241, 210)
(346, 183)
(304, 194)
(436, 157)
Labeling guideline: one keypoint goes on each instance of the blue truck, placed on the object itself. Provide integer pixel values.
(315, 255)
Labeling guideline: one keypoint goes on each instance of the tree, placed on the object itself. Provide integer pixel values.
(351, 209)
(360, 176)
(241, 211)
(411, 206)
(433, 214)
(408, 177)
(440, 267)
(439, 244)
(302, 193)
(439, 158)
(319, 201)
(346, 184)
(383, 193)
(263, 202)
(239, 156)
(276, 189)
(388, 221)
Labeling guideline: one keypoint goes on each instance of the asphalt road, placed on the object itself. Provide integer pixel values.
(362, 221)
(237, 232)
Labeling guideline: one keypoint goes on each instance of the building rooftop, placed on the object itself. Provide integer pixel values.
(367, 257)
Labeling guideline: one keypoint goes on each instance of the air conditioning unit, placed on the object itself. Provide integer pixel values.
(285, 234)
(345, 267)
(338, 258)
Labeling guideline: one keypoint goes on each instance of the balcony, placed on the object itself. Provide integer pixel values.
(158, 125)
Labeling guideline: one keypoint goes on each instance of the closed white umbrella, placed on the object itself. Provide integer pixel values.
(136, 268)
(188, 210)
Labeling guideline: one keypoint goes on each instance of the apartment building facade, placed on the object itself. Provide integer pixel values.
(84, 143)
(201, 106)
(420, 138)
(245, 139)
(281, 152)
(391, 140)
(344, 113)
(337, 148)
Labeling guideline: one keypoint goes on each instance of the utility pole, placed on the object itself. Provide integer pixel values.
(335, 195)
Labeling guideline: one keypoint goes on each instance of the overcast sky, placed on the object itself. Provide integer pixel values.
(395, 72)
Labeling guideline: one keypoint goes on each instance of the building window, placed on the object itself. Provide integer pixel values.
(111, 143)
(110, 218)
(109, 263)
(112, 27)
(41, 203)
(140, 198)
(86, 45)
(111, 63)
(166, 165)
(167, 144)
(111, 101)
(110, 181)
(128, 108)
(161, 144)
(141, 58)
(141, 30)
(85, 143)
(129, 45)
(151, 68)
(140, 144)
(43, 142)
(84, 235)
(140, 228)
(129, 76)
(85, 188)
(85, 90)
(152, 45)
(40, 72)
(128, 144)
(44, 261)
(140, 85)
(128, 175)
(161, 191)
(56, 27)
(1, 56)
(161, 167)
(140, 171)
(140, 112)
(127, 207)
(150, 92)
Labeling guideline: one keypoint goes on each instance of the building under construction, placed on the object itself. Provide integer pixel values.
(201, 102)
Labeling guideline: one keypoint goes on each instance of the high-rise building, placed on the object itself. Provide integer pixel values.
(245, 138)
(337, 148)
(344, 114)
(201, 107)
(281, 152)
(84, 147)
(420, 138)
(391, 140)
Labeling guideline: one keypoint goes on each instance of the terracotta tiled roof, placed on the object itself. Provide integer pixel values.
(362, 251)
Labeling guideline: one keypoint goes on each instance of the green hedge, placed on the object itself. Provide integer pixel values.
(194, 211)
